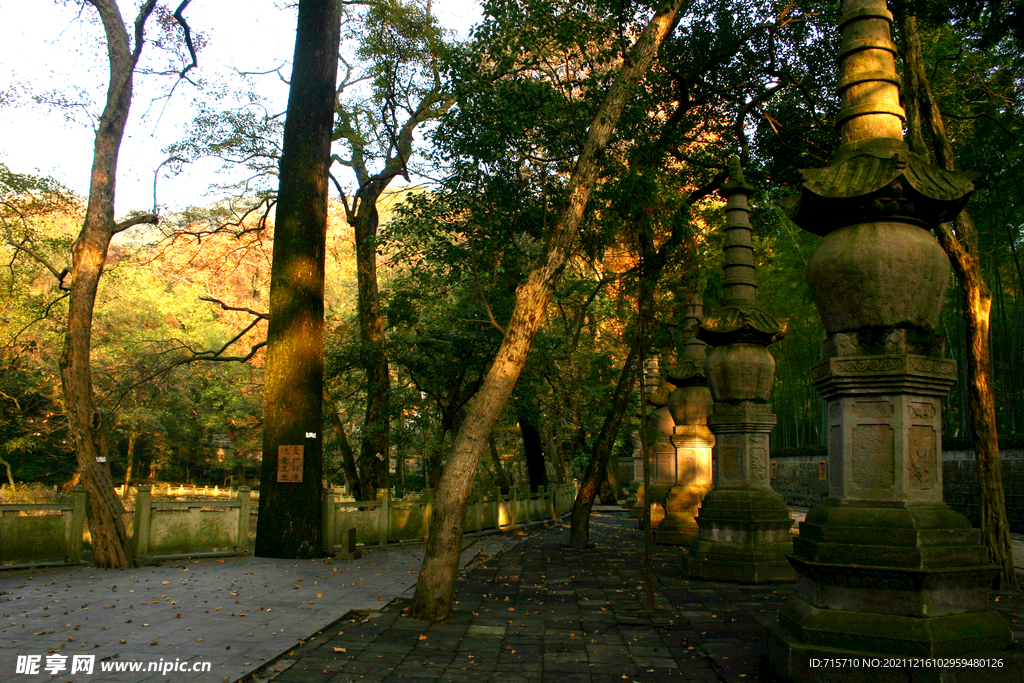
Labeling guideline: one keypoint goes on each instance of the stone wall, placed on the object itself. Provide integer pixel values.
(960, 485)
(798, 479)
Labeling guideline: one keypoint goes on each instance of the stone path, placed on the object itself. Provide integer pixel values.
(528, 610)
(543, 613)
(235, 613)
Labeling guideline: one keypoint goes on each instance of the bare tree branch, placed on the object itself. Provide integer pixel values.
(188, 36)
(132, 221)
(483, 300)
(227, 307)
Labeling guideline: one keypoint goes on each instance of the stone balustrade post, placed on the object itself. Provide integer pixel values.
(428, 511)
(329, 521)
(384, 518)
(143, 511)
(76, 525)
(243, 519)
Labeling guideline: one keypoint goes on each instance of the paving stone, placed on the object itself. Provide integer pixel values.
(537, 612)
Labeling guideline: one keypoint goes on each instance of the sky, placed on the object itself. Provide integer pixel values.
(55, 50)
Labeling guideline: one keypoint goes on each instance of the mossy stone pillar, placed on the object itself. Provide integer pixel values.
(885, 568)
(743, 524)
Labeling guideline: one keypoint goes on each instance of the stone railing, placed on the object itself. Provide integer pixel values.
(191, 490)
(165, 529)
(40, 533)
(382, 521)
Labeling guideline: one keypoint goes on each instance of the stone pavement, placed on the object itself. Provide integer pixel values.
(536, 612)
(543, 613)
(235, 613)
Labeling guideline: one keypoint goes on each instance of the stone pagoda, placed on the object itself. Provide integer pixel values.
(689, 404)
(659, 433)
(744, 525)
(885, 568)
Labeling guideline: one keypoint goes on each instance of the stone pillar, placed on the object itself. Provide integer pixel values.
(744, 524)
(885, 568)
(242, 535)
(143, 510)
(77, 525)
(692, 441)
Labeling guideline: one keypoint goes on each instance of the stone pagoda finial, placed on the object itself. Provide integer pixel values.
(874, 175)
(868, 84)
(739, 320)
(689, 367)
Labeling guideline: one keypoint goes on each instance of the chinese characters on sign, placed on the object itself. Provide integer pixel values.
(29, 664)
(289, 464)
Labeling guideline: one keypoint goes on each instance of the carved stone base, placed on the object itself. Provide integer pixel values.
(693, 444)
(637, 511)
(897, 580)
(679, 526)
(744, 537)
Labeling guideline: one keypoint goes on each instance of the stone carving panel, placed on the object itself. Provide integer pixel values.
(933, 366)
(759, 457)
(687, 470)
(730, 450)
(923, 465)
(863, 366)
(873, 456)
(835, 411)
(878, 410)
(922, 410)
(835, 452)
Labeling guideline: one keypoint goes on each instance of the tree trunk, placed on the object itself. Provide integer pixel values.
(554, 446)
(435, 588)
(962, 247)
(289, 515)
(7, 468)
(373, 456)
(579, 531)
(89, 253)
(433, 464)
(348, 460)
(133, 436)
(495, 460)
(528, 415)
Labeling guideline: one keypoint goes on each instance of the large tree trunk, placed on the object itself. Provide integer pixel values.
(962, 247)
(436, 586)
(579, 531)
(289, 517)
(89, 253)
(374, 463)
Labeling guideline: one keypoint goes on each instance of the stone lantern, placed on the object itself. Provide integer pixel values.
(885, 568)
(744, 525)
